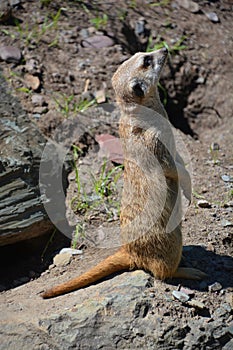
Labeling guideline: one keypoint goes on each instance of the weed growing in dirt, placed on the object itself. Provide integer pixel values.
(160, 3)
(100, 21)
(32, 35)
(214, 153)
(105, 183)
(102, 197)
(67, 105)
(78, 235)
(172, 49)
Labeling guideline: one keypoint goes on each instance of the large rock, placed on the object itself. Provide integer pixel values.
(22, 214)
(119, 313)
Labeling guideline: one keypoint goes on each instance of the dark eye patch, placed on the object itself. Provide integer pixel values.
(147, 61)
(138, 90)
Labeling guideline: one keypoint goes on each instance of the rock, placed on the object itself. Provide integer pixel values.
(196, 304)
(110, 147)
(212, 17)
(62, 259)
(215, 287)
(228, 345)
(10, 54)
(227, 178)
(14, 2)
(71, 251)
(100, 96)
(139, 28)
(189, 5)
(228, 204)
(5, 11)
(22, 214)
(229, 299)
(97, 42)
(32, 81)
(32, 66)
(38, 100)
(226, 223)
(183, 297)
(202, 203)
(187, 291)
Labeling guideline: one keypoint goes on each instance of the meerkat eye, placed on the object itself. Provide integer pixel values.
(147, 61)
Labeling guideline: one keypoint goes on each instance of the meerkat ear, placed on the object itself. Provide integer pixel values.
(139, 88)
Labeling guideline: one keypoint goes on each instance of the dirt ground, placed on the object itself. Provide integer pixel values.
(73, 48)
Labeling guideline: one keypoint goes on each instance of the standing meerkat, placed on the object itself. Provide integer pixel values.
(151, 203)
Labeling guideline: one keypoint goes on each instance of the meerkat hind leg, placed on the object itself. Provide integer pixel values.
(189, 273)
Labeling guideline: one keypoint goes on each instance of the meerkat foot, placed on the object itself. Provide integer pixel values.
(189, 273)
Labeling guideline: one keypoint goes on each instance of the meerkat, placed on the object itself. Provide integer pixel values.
(153, 171)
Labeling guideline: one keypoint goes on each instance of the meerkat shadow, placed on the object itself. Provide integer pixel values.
(219, 268)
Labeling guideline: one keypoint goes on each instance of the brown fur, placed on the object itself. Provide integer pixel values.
(151, 181)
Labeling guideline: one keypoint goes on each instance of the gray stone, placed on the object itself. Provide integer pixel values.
(5, 10)
(227, 178)
(212, 16)
(22, 214)
(38, 100)
(180, 296)
(196, 304)
(97, 42)
(189, 5)
(10, 54)
(71, 251)
(226, 223)
(215, 287)
(62, 259)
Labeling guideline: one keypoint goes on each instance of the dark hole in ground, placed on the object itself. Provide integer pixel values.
(26, 260)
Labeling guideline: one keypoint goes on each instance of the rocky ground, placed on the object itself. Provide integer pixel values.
(58, 59)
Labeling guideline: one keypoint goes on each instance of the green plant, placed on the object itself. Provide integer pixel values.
(133, 4)
(80, 202)
(164, 91)
(100, 21)
(197, 195)
(105, 184)
(67, 104)
(78, 234)
(214, 152)
(48, 243)
(33, 35)
(161, 3)
(176, 47)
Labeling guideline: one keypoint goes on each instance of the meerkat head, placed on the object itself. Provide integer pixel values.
(137, 78)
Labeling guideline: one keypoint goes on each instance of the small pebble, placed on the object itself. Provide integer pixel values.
(32, 81)
(227, 178)
(97, 42)
(189, 5)
(196, 304)
(183, 297)
(62, 259)
(202, 203)
(38, 100)
(10, 54)
(215, 287)
(71, 251)
(212, 17)
(226, 223)
(187, 291)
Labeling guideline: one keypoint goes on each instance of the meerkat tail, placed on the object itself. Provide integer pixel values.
(117, 262)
